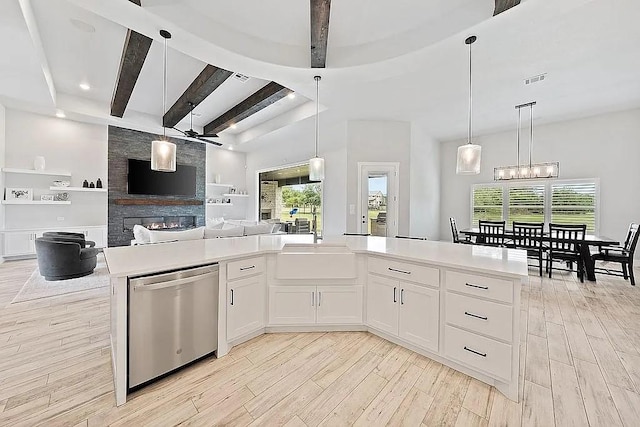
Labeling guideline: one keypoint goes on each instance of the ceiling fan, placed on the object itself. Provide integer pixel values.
(195, 135)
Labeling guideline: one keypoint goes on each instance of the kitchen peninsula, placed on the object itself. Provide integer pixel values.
(457, 304)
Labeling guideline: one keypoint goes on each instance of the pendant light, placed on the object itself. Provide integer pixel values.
(468, 162)
(316, 164)
(163, 152)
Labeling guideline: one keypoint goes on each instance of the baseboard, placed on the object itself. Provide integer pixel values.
(316, 328)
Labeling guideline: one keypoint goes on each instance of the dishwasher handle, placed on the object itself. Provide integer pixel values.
(173, 283)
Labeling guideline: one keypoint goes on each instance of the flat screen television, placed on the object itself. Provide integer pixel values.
(142, 180)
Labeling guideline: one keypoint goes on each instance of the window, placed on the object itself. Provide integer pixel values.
(487, 203)
(526, 204)
(574, 204)
(561, 202)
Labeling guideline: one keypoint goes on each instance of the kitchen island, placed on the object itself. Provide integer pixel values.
(456, 304)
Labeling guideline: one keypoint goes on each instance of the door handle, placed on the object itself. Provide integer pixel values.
(401, 296)
(319, 298)
(231, 296)
(313, 299)
(394, 295)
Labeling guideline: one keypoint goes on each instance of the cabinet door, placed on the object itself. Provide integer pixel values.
(382, 304)
(20, 243)
(245, 306)
(339, 304)
(419, 314)
(95, 235)
(292, 305)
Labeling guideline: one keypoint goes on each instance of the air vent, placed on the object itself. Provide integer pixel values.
(535, 79)
(240, 77)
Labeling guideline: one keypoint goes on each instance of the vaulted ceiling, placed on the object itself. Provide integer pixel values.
(401, 60)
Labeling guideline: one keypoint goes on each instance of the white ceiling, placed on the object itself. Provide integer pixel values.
(401, 60)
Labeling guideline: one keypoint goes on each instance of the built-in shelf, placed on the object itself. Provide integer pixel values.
(36, 172)
(219, 204)
(36, 202)
(85, 189)
(214, 184)
(235, 195)
(158, 202)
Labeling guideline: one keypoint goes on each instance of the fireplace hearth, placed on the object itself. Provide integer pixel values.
(160, 222)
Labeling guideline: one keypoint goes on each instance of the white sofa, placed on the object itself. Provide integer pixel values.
(231, 228)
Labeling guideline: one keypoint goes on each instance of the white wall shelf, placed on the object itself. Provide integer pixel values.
(82, 189)
(36, 202)
(213, 184)
(235, 195)
(35, 172)
(219, 204)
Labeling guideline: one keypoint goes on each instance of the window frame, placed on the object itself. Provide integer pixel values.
(547, 183)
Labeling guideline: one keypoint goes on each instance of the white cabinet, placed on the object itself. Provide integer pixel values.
(289, 305)
(406, 310)
(246, 288)
(19, 243)
(96, 235)
(308, 305)
(245, 307)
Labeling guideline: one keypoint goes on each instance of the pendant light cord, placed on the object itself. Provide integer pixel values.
(470, 94)
(164, 89)
(317, 78)
(531, 133)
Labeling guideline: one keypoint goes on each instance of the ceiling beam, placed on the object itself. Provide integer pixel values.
(503, 5)
(136, 48)
(203, 85)
(320, 11)
(261, 99)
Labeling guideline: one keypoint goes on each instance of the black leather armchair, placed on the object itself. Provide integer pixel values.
(59, 260)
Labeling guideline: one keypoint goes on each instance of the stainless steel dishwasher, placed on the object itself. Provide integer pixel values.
(173, 320)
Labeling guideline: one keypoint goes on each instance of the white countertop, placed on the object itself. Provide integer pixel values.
(144, 259)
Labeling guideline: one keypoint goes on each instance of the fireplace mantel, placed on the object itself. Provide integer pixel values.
(159, 202)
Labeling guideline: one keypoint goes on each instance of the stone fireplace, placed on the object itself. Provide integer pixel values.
(160, 222)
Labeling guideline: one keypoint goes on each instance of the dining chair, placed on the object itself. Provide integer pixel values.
(491, 233)
(622, 254)
(528, 236)
(412, 238)
(455, 236)
(564, 245)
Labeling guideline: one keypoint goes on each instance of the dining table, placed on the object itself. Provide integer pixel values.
(585, 253)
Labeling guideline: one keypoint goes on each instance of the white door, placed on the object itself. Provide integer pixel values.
(292, 305)
(21, 243)
(245, 306)
(382, 304)
(419, 308)
(378, 198)
(339, 304)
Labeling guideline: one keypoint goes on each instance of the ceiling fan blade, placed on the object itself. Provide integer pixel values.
(209, 135)
(209, 141)
(181, 131)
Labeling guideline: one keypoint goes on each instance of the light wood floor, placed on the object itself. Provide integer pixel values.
(580, 365)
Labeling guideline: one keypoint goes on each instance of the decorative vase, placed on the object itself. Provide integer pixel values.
(92, 185)
(39, 163)
(218, 178)
(98, 183)
(85, 184)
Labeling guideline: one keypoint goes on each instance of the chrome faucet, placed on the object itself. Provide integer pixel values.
(314, 225)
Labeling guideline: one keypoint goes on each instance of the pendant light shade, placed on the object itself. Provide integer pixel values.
(316, 164)
(163, 152)
(163, 156)
(469, 155)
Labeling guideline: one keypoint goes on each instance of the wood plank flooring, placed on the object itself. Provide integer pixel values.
(580, 355)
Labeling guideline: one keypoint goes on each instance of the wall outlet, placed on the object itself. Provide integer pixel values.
(60, 218)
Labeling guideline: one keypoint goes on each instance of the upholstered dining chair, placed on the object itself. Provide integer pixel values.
(620, 254)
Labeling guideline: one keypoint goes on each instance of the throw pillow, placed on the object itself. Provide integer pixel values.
(172, 236)
(224, 232)
(141, 234)
(251, 230)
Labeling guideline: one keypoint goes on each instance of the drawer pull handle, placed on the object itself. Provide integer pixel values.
(231, 296)
(399, 271)
(247, 268)
(475, 352)
(394, 295)
(471, 285)
(475, 315)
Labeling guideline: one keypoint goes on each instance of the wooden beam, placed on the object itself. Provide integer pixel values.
(136, 48)
(206, 82)
(261, 99)
(503, 5)
(320, 11)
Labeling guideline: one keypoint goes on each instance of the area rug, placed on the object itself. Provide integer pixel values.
(36, 287)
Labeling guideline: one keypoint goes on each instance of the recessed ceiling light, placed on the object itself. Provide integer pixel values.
(83, 26)
(60, 114)
(230, 147)
(292, 95)
(233, 126)
(85, 86)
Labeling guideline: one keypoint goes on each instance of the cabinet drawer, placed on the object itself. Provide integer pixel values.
(485, 317)
(483, 354)
(405, 271)
(483, 286)
(245, 267)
